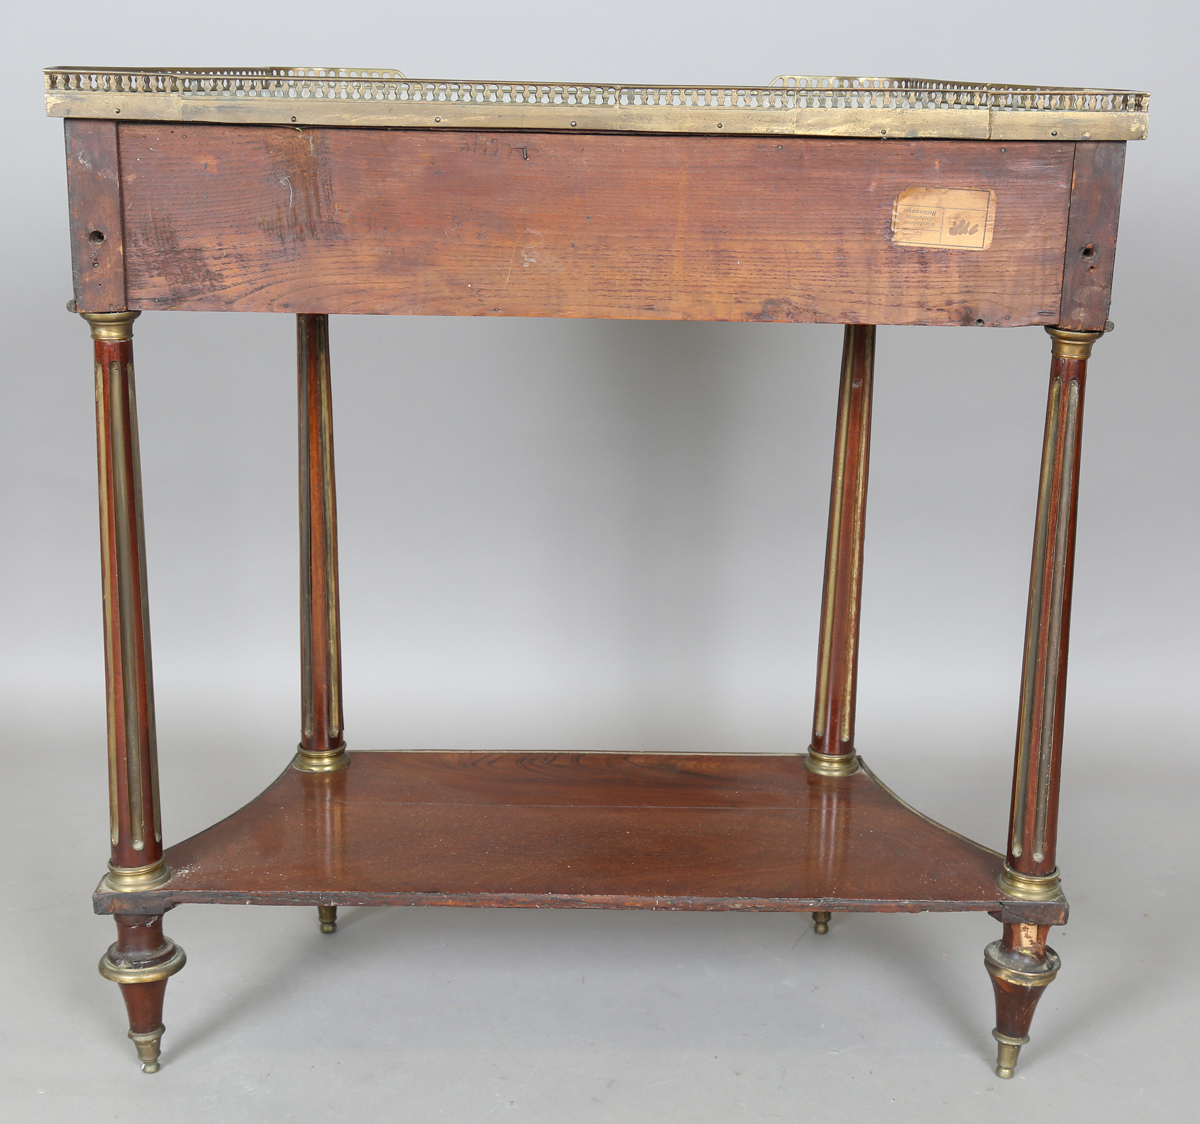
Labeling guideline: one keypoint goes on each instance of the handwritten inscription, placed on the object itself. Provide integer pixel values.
(944, 218)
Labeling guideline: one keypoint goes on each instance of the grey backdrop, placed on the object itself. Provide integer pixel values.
(606, 535)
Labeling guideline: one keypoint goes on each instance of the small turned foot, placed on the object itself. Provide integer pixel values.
(1020, 965)
(821, 923)
(327, 915)
(141, 961)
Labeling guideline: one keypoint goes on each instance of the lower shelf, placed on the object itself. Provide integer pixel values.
(624, 831)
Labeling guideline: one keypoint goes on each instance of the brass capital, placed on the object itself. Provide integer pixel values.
(129, 879)
(831, 764)
(111, 326)
(308, 762)
(1070, 344)
(1030, 887)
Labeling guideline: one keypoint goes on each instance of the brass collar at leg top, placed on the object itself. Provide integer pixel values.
(111, 326)
(1070, 344)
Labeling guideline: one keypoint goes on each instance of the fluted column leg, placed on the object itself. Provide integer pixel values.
(142, 959)
(1021, 963)
(831, 752)
(322, 746)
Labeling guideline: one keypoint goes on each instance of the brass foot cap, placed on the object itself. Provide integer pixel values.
(148, 1045)
(327, 914)
(1007, 1051)
(821, 923)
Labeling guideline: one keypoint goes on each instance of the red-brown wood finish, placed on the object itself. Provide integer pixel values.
(319, 220)
(837, 652)
(140, 943)
(662, 831)
(1033, 824)
(272, 219)
(1021, 966)
(97, 229)
(136, 831)
(1092, 234)
(321, 737)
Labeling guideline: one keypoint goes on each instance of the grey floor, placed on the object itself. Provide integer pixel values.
(471, 1015)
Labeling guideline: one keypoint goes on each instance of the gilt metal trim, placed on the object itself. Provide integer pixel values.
(796, 105)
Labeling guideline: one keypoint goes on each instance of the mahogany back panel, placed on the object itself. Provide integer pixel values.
(276, 219)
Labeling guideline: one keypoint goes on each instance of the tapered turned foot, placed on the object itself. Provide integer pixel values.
(141, 961)
(327, 914)
(821, 923)
(1020, 965)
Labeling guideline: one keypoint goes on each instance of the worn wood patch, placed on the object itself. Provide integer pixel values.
(94, 193)
(1092, 234)
(269, 219)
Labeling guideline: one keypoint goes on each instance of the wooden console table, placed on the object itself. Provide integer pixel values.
(827, 200)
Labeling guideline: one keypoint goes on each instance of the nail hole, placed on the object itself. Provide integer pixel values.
(1089, 251)
(979, 323)
(96, 237)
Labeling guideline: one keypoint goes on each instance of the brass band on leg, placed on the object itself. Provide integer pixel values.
(113, 327)
(1030, 887)
(115, 967)
(130, 879)
(1019, 969)
(308, 762)
(1070, 344)
(831, 764)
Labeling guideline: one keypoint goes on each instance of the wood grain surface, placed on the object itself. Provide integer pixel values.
(274, 219)
(1092, 234)
(658, 831)
(94, 198)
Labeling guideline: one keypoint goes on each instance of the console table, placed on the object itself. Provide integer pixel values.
(857, 201)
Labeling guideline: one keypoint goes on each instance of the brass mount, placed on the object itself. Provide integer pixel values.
(148, 1047)
(1030, 887)
(1070, 344)
(115, 967)
(831, 764)
(306, 761)
(1018, 969)
(112, 327)
(130, 879)
(1008, 1049)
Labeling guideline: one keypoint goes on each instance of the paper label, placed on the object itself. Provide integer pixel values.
(946, 218)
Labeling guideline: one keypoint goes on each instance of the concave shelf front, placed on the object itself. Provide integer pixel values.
(636, 831)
